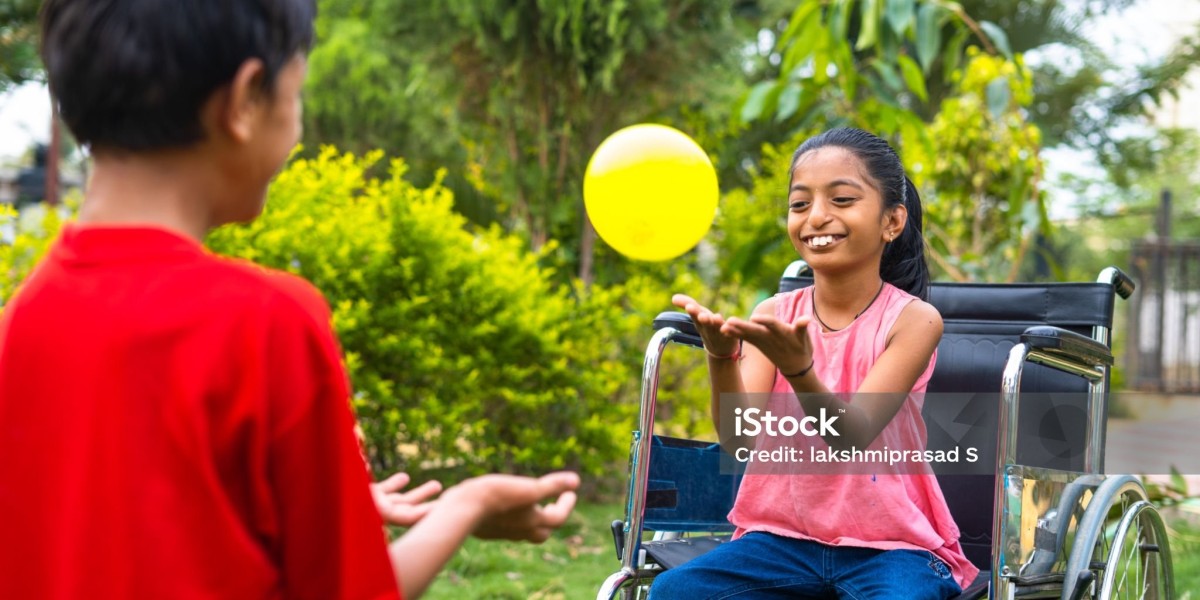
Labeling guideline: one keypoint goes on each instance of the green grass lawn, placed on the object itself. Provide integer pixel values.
(570, 565)
(1185, 551)
(573, 563)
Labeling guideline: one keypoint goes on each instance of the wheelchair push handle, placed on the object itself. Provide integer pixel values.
(1122, 284)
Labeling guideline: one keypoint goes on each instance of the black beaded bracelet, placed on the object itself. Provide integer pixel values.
(801, 372)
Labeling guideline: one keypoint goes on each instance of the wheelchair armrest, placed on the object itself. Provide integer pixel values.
(682, 323)
(1067, 344)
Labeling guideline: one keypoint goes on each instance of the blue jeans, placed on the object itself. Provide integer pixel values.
(764, 565)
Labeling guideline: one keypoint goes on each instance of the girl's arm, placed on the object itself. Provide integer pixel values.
(744, 382)
(909, 348)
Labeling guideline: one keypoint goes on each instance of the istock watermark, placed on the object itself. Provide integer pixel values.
(753, 421)
(883, 456)
(771, 433)
(956, 434)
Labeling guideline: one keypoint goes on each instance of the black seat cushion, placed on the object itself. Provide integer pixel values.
(672, 553)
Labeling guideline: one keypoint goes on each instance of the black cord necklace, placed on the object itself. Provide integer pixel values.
(830, 329)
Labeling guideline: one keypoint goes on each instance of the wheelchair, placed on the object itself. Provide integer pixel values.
(1022, 374)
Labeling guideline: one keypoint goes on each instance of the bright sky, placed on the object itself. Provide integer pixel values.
(24, 119)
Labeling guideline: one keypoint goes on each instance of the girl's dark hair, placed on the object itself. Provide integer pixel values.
(133, 74)
(903, 264)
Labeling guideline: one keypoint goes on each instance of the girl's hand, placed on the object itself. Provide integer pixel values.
(785, 344)
(710, 325)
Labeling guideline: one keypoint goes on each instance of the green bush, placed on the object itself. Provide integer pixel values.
(24, 239)
(464, 355)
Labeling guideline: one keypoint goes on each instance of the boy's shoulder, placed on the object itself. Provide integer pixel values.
(277, 289)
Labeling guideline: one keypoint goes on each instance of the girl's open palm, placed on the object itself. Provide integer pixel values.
(709, 324)
(785, 344)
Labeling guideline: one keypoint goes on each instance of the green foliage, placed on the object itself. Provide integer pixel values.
(1112, 217)
(872, 65)
(1133, 101)
(867, 62)
(977, 164)
(351, 57)
(526, 90)
(983, 204)
(750, 233)
(1184, 534)
(24, 239)
(392, 105)
(19, 60)
(464, 355)
(571, 564)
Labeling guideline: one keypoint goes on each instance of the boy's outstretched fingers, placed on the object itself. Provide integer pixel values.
(556, 513)
(407, 508)
(553, 484)
(512, 506)
(553, 516)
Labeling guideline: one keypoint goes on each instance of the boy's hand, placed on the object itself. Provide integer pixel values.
(407, 508)
(509, 507)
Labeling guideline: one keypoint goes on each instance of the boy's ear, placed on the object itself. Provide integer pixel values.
(243, 101)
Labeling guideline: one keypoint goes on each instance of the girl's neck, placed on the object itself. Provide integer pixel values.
(839, 300)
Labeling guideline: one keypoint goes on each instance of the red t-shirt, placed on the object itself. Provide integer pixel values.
(177, 425)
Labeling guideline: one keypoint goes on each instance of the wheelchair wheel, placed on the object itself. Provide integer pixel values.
(1139, 559)
(1120, 549)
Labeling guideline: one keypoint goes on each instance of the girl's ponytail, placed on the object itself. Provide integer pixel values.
(903, 264)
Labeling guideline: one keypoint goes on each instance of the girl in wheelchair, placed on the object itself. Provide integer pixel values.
(863, 328)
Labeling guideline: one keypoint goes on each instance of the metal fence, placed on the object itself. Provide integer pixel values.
(1163, 352)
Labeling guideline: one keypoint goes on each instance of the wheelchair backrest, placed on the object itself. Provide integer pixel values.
(982, 323)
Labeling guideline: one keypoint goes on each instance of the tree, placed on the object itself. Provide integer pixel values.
(1114, 216)
(871, 65)
(529, 88)
(18, 42)
(1106, 119)
(984, 205)
(1083, 99)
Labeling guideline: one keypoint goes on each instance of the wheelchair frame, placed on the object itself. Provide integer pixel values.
(1021, 557)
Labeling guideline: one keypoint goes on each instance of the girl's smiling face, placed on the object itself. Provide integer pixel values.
(836, 216)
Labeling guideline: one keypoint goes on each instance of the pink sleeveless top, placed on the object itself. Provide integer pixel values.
(887, 510)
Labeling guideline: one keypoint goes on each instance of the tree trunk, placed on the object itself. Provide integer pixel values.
(587, 245)
(52, 159)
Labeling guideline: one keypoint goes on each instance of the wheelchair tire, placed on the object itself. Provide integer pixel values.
(1118, 531)
(1139, 559)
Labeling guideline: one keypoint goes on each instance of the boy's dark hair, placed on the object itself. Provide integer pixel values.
(133, 74)
(903, 264)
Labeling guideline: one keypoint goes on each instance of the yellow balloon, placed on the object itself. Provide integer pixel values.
(651, 192)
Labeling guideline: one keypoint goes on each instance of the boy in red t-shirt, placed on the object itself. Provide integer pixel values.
(174, 424)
